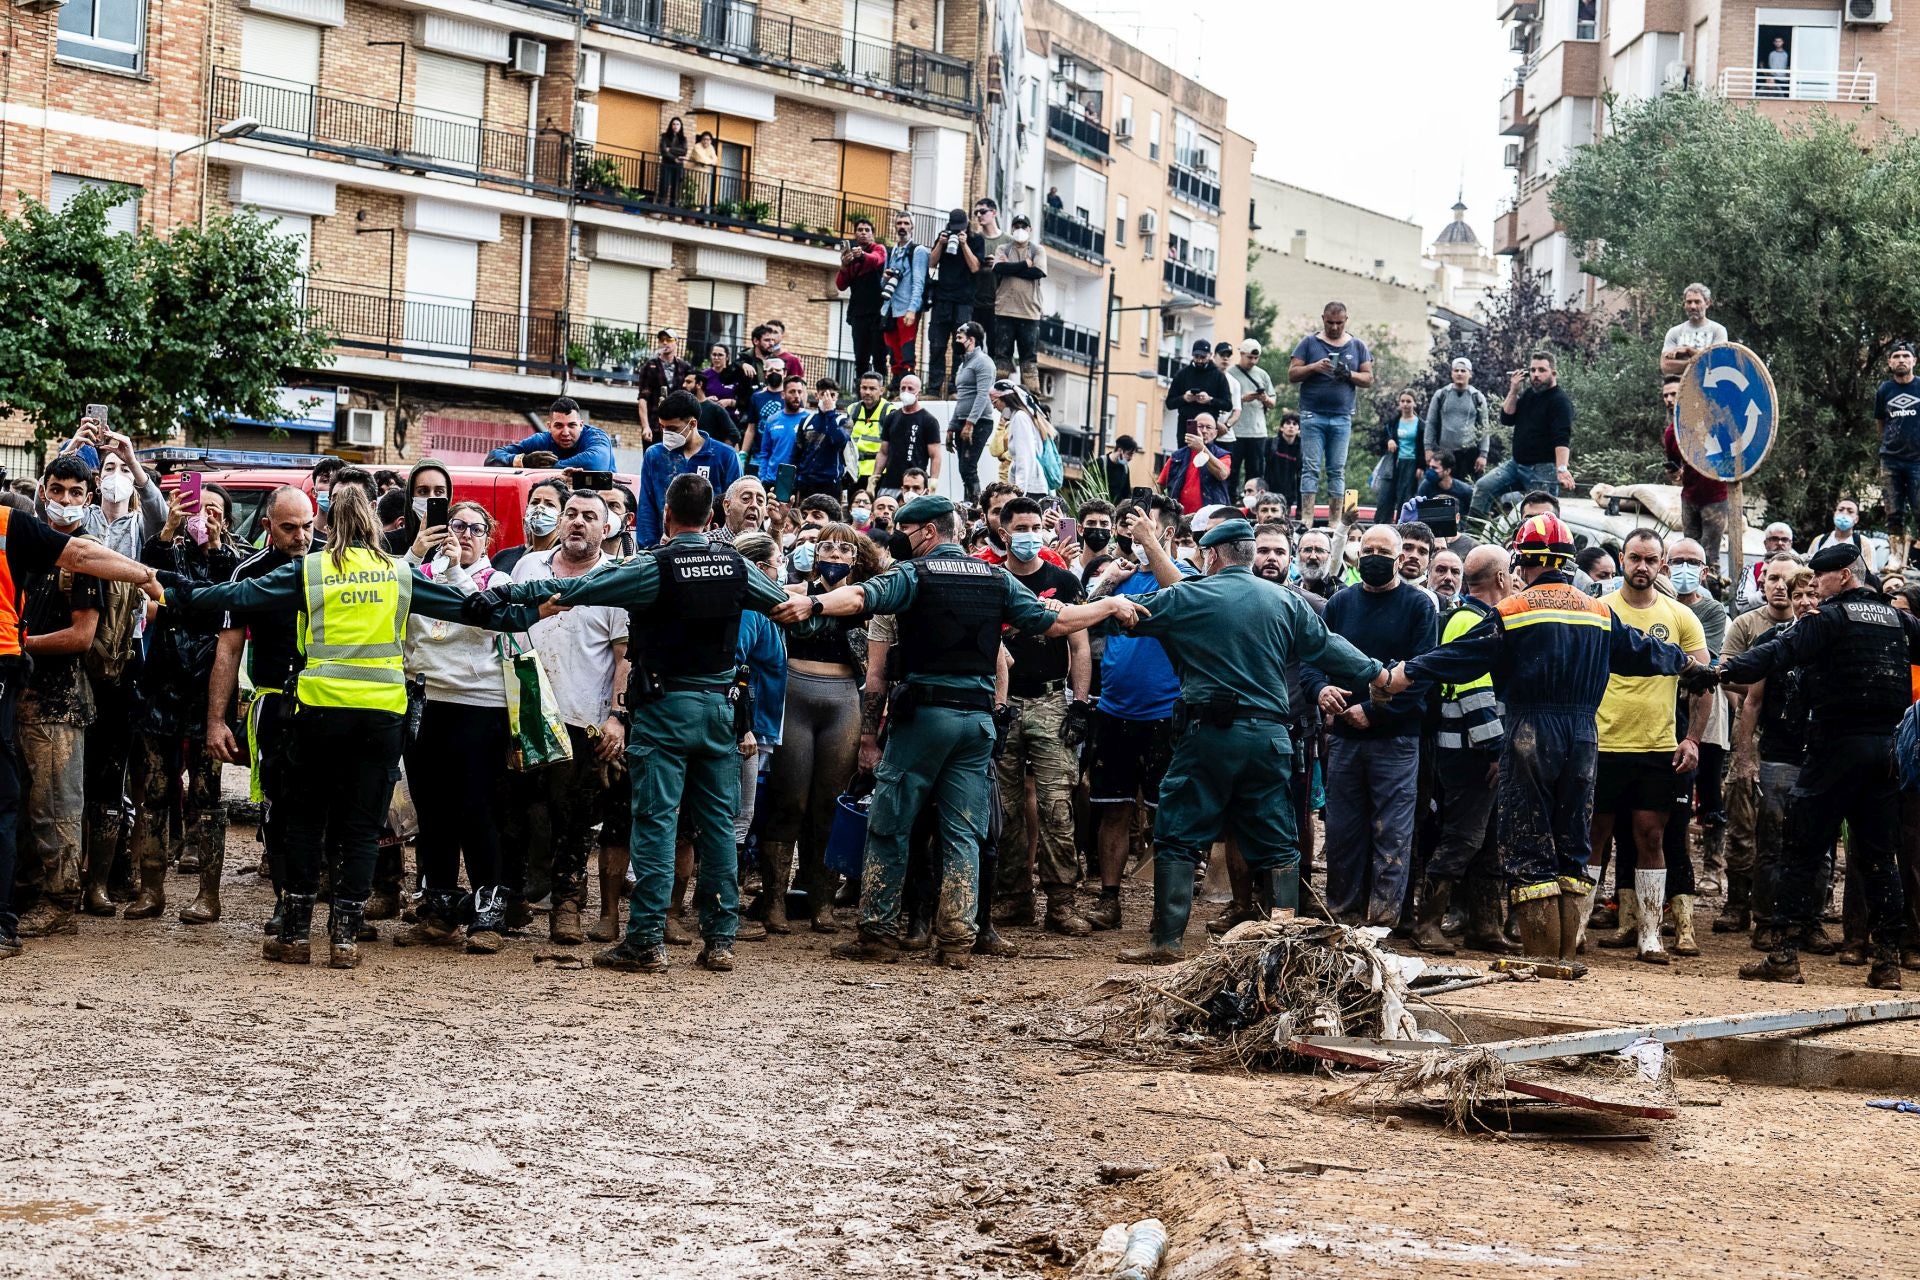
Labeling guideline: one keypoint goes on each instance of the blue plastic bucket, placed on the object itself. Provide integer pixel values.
(847, 842)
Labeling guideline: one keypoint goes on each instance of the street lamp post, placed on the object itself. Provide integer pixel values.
(239, 127)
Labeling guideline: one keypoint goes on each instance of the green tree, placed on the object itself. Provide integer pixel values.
(177, 333)
(1806, 234)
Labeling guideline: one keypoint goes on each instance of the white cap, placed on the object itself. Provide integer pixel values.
(1207, 517)
(1461, 362)
(1249, 348)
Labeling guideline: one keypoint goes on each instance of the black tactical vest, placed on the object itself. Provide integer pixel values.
(693, 627)
(1861, 683)
(953, 627)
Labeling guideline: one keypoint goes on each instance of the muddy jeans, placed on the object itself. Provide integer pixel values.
(1034, 740)
(1773, 794)
(1743, 816)
(154, 762)
(1371, 784)
(1706, 525)
(54, 755)
(570, 794)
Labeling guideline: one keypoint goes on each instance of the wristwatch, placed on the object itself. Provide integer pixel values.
(818, 608)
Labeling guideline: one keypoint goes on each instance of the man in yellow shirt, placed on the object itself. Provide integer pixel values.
(1640, 752)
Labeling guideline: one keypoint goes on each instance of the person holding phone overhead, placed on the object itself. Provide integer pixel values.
(131, 505)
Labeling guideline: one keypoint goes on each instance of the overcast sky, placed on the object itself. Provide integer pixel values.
(1390, 104)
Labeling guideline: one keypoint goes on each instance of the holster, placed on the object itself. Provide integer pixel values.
(903, 704)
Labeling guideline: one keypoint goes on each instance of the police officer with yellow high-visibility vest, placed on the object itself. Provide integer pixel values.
(354, 600)
(863, 421)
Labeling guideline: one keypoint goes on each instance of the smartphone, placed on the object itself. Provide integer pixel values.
(596, 481)
(1069, 529)
(190, 492)
(437, 512)
(783, 482)
(98, 412)
(1141, 493)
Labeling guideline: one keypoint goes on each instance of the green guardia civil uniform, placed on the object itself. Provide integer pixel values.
(684, 601)
(1230, 637)
(950, 609)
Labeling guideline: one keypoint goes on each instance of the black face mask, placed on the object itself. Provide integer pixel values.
(1378, 570)
(1124, 545)
(900, 546)
(1096, 539)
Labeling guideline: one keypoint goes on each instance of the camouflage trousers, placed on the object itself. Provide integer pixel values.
(53, 756)
(1034, 743)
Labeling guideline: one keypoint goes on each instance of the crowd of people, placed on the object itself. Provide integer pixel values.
(1025, 692)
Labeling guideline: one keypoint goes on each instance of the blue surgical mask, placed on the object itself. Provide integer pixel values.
(1843, 522)
(833, 573)
(1685, 577)
(542, 521)
(1025, 546)
(860, 515)
(326, 503)
(802, 558)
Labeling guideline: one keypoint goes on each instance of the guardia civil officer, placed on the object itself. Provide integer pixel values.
(353, 600)
(1854, 655)
(1230, 636)
(940, 730)
(684, 600)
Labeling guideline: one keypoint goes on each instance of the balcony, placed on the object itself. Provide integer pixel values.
(1506, 230)
(368, 321)
(1195, 187)
(739, 30)
(1069, 341)
(357, 128)
(1077, 133)
(639, 182)
(1513, 110)
(1799, 86)
(1189, 280)
(1065, 232)
(1516, 10)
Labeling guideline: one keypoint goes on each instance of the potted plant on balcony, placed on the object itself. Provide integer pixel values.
(577, 357)
(755, 211)
(601, 175)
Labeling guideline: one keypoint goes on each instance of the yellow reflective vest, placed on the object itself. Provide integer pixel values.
(353, 631)
(866, 434)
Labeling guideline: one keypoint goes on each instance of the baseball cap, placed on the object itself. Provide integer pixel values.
(1461, 362)
(1902, 345)
(1201, 347)
(1250, 348)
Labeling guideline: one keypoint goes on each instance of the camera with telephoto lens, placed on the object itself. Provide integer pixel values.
(889, 281)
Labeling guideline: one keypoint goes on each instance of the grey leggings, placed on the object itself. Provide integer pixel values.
(819, 745)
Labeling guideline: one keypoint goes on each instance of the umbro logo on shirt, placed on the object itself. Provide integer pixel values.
(1904, 403)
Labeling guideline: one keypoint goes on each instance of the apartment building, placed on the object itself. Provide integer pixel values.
(478, 187)
(1843, 56)
(1140, 196)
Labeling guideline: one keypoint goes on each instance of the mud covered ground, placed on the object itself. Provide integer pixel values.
(176, 1105)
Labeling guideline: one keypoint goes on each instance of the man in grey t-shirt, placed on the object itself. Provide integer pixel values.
(1253, 396)
(1686, 340)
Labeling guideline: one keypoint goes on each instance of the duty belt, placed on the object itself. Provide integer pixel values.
(1222, 715)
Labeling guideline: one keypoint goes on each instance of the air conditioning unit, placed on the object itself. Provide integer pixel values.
(587, 79)
(1869, 13)
(1513, 155)
(586, 122)
(365, 428)
(1517, 39)
(1123, 130)
(1149, 223)
(39, 6)
(527, 57)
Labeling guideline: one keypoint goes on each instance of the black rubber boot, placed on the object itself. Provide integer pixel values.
(1885, 974)
(1172, 904)
(986, 939)
(1484, 932)
(1428, 935)
(344, 919)
(1779, 966)
(291, 944)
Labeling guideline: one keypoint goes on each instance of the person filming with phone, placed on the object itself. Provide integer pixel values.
(1541, 415)
(130, 505)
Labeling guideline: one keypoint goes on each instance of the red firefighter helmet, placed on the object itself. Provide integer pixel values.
(1544, 540)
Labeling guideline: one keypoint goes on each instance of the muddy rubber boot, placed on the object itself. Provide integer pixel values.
(95, 900)
(1539, 921)
(1172, 904)
(986, 939)
(1854, 952)
(775, 875)
(919, 934)
(1684, 942)
(1779, 966)
(1483, 931)
(292, 944)
(205, 909)
(1736, 914)
(1061, 915)
(1628, 935)
(152, 899)
(563, 923)
(1104, 914)
(45, 919)
(1428, 935)
(1573, 922)
(1015, 909)
(489, 921)
(872, 948)
(344, 918)
(1885, 974)
(613, 884)
(716, 956)
(433, 923)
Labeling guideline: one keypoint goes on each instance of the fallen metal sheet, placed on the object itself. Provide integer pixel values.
(1377, 1055)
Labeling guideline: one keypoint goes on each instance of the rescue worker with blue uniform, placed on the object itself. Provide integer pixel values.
(684, 600)
(940, 726)
(350, 708)
(1549, 649)
(1230, 637)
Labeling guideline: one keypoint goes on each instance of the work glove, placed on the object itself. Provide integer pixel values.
(1003, 720)
(1700, 678)
(1077, 728)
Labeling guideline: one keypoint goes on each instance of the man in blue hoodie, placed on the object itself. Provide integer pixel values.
(567, 442)
(682, 450)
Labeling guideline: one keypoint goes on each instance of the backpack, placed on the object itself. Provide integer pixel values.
(1050, 464)
(122, 607)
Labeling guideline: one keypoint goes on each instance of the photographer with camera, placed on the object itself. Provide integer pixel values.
(903, 291)
(957, 255)
(862, 265)
(1329, 366)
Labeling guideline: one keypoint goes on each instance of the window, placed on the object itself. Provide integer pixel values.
(1146, 331)
(1112, 411)
(279, 66)
(1120, 221)
(109, 33)
(1586, 23)
(1124, 125)
(1113, 321)
(868, 43)
(716, 313)
(449, 99)
(443, 278)
(1153, 135)
(123, 218)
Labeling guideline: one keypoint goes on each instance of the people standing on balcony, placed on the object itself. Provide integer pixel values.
(660, 375)
(957, 255)
(1779, 75)
(986, 218)
(1019, 269)
(1330, 367)
(903, 292)
(863, 264)
(673, 162)
(704, 156)
(1199, 387)
(971, 421)
(1054, 202)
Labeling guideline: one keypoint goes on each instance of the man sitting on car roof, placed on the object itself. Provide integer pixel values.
(567, 442)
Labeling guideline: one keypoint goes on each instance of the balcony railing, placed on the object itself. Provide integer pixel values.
(1074, 129)
(1194, 187)
(1082, 239)
(406, 137)
(437, 330)
(1189, 280)
(1068, 341)
(641, 181)
(739, 29)
(1800, 86)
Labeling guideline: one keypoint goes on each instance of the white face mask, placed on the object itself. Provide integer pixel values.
(420, 508)
(1021, 235)
(675, 441)
(116, 486)
(61, 514)
(908, 395)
